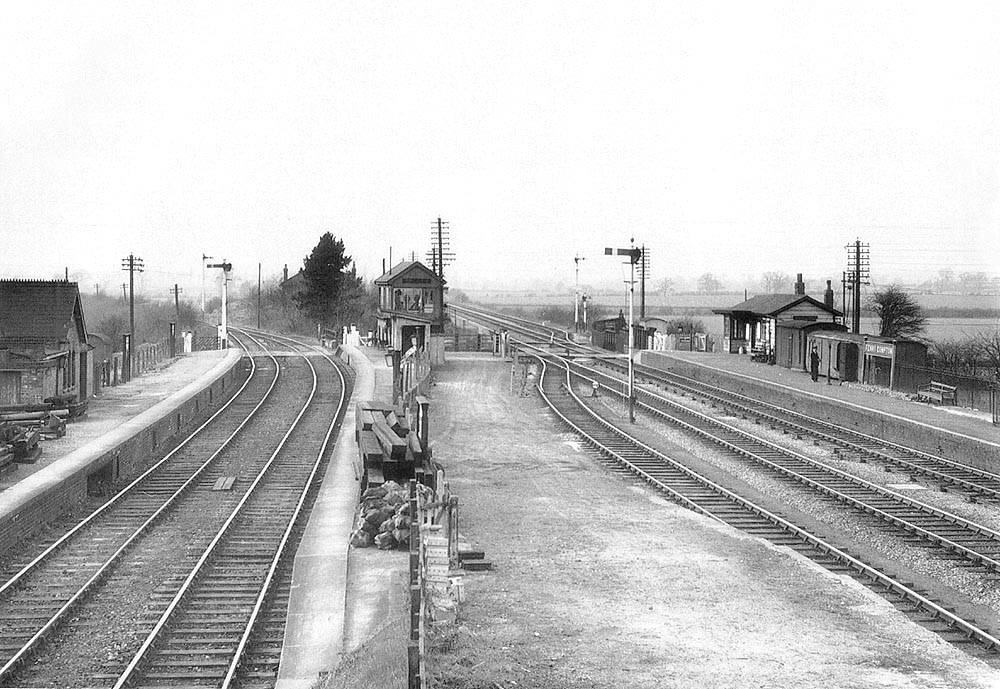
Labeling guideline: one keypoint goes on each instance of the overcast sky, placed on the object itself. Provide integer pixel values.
(731, 138)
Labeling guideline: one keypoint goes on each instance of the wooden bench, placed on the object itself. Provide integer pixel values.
(937, 392)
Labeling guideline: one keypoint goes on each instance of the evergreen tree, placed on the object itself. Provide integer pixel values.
(324, 271)
(899, 315)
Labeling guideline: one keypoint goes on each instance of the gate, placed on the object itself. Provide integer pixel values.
(10, 388)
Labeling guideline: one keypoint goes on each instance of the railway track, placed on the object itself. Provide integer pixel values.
(848, 443)
(699, 493)
(852, 443)
(109, 609)
(910, 517)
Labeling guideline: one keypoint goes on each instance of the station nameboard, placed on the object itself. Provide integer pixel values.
(885, 349)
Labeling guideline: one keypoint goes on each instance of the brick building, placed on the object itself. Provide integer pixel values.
(43, 342)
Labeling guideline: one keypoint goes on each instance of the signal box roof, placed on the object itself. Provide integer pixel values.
(410, 274)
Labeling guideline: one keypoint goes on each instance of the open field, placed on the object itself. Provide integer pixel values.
(701, 305)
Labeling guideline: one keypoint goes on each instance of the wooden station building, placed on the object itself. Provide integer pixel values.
(774, 325)
(411, 310)
(882, 361)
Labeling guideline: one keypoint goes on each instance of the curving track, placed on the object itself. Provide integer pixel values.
(705, 496)
(178, 579)
(950, 537)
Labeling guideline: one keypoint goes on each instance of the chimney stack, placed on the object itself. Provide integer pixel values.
(800, 287)
(284, 274)
(828, 296)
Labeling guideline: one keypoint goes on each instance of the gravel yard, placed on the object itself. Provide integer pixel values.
(598, 582)
(964, 586)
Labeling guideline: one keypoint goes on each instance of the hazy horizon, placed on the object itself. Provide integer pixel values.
(728, 138)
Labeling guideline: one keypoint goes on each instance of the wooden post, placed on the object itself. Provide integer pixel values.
(453, 533)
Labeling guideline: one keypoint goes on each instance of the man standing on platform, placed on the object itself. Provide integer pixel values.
(814, 363)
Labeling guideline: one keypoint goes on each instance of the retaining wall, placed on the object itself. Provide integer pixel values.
(911, 433)
(42, 497)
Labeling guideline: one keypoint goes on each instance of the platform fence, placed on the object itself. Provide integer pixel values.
(975, 392)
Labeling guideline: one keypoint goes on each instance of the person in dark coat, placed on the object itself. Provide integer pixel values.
(814, 363)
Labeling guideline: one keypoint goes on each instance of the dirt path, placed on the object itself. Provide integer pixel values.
(598, 582)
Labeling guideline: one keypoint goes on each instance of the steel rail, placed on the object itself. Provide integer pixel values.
(826, 431)
(921, 507)
(783, 417)
(241, 647)
(913, 460)
(102, 571)
(860, 570)
(134, 667)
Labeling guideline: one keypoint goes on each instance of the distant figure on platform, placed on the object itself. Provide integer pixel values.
(814, 363)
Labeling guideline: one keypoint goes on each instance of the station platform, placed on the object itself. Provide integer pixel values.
(116, 405)
(122, 428)
(962, 434)
(340, 597)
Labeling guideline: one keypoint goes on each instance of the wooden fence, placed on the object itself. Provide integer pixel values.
(434, 591)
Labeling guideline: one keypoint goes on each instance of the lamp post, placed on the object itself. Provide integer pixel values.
(576, 294)
(224, 330)
(635, 255)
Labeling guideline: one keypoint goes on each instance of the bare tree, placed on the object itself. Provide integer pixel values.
(988, 345)
(899, 315)
(709, 283)
(974, 283)
(774, 281)
(665, 286)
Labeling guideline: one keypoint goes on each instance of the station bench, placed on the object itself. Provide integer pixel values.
(937, 392)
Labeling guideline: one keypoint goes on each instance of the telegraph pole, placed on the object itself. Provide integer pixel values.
(440, 252)
(132, 264)
(643, 272)
(176, 291)
(576, 294)
(258, 295)
(857, 274)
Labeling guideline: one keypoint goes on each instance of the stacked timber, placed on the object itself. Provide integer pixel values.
(384, 518)
(7, 459)
(388, 449)
(22, 440)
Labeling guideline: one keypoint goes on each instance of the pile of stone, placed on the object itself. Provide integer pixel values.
(384, 518)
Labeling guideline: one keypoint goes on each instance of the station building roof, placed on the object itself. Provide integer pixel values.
(40, 311)
(774, 304)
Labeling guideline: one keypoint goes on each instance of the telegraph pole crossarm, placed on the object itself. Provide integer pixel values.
(132, 264)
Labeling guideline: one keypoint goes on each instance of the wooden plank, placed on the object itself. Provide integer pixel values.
(414, 444)
(393, 422)
(369, 447)
(224, 483)
(392, 444)
(365, 419)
